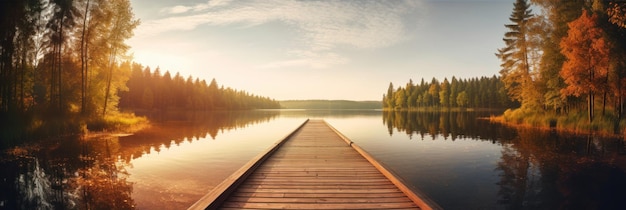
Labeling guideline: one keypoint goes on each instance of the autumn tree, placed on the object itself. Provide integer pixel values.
(587, 54)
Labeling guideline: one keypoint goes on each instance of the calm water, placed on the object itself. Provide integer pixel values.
(459, 161)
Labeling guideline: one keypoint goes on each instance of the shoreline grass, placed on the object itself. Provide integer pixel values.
(573, 122)
(34, 127)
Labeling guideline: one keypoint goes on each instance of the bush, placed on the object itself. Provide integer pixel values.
(126, 122)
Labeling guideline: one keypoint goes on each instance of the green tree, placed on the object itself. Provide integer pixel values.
(411, 93)
(454, 91)
(400, 98)
(433, 91)
(444, 94)
(122, 24)
(462, 99)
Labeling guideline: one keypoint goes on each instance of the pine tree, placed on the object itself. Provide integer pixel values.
(516, 71)
(444, 94)
(390, 97)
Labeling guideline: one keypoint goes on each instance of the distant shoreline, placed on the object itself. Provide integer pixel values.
(330, 104)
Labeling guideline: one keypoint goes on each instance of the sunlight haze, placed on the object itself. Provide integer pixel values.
(320, 49)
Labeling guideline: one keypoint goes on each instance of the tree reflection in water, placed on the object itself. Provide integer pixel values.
(538, 169)
(91, 173)
(73, 173)
(543, 169)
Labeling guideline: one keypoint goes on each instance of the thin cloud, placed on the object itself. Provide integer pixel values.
(176, 9)
(323, 25)
(179, 9)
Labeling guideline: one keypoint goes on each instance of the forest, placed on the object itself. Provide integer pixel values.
(152, 91)
(65, 68)
(566, 64)
(483, 92)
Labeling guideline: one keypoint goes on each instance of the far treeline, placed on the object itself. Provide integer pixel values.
(484, 92)
(64, 66)
(560, 62)
(153, 91)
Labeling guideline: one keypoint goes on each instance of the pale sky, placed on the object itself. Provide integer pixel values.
(287, 49)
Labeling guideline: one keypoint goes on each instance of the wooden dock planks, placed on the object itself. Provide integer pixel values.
(316, 168)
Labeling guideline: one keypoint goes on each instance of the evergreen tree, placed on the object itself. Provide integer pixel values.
(444, 94)
(400, 98)
(433, 91)
(390, 97)
(516, 72)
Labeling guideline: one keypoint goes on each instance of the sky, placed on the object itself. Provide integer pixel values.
(350, 50)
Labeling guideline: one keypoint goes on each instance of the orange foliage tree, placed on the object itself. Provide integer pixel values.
(587, 53)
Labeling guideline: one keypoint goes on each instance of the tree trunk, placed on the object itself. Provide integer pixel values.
(603, 103)
(590, 106)
(60, 80)
(109, 78)
(108, 88)
(22, 79)
(52, 96)
(83, 60)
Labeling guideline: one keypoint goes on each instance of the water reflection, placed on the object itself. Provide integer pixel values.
(536, 169)
(542, 169)
(450, 125)
(72, 173)
(461, 162)
(92, 173)
(173, 128)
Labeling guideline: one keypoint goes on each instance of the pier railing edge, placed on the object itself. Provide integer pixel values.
(419, 198)
(215, 197)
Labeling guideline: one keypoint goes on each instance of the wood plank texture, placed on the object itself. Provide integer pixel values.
(317, 168)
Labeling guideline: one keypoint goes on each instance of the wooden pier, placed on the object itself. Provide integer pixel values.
(315, 167)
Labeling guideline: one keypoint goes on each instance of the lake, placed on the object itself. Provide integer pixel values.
(456, 158)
